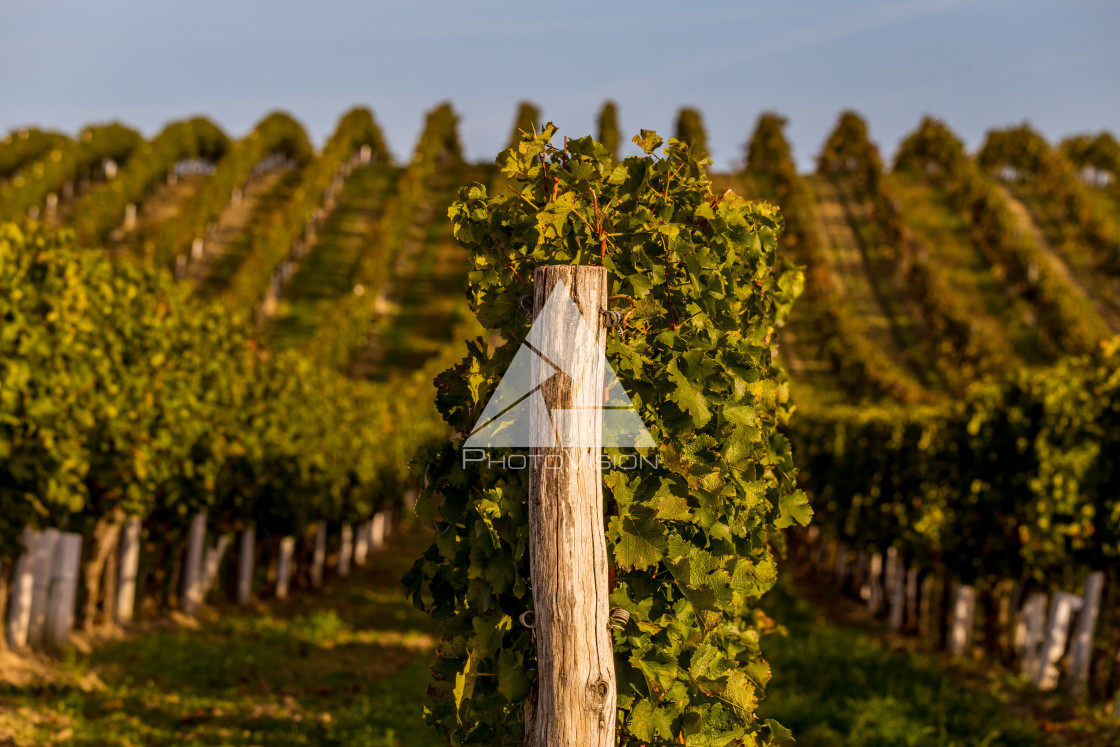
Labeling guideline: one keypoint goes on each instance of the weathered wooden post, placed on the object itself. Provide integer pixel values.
(129, 567)
(1081, 649)
(284, 566)
(212, 563)
(192, 567)
(911, 615)
(1029, 632)
(361, 544)
(345, 549)
(245, 561)
(1062, 610)
(319, 555)
(64, 589)
(576, 691)
(44, 561)
(927, 609)
(875, 584)
(964, 615)
(377, 531)
(896, 589)
(863, 566)
(23, 586)
(389, 516)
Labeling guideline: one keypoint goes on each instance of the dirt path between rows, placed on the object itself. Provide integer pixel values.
(851, 268)
(232, 225)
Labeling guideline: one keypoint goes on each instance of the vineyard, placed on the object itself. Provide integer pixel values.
(236, 374)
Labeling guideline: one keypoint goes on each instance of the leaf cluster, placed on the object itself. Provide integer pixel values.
(120, 394)
(864, 371)
(346, 327)
(277, 134)
(1067, 321)
(103, 208)
(696, 277)
(935, 482)
(1060, 195)
(23, 146)
(66, 161)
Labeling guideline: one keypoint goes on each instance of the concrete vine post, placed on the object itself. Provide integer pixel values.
(576, 689)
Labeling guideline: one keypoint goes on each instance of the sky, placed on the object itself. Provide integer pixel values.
(977, 64)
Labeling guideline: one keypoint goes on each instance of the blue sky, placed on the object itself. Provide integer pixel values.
(975, 63)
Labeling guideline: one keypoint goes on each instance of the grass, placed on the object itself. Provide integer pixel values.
(844, 225)
(837, 685)
(346, 667)
(327, 272)
(431, 302)
(349, 667)
(1078, 256)
(945, 232)
(231, 257)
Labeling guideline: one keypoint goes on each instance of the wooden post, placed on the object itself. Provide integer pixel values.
(130, 216)
(345, 549)
(192, 568)
(284, 566)
(361, 544)
(1062, 610)
(43, 560)
(130, 565)
(23, 586)
(896, 589)
(1029, 632)
(911, 615)
(927, 615)
(576, 688)
(964, 613)
(1006, 592)
(1081, 649)
(863, 589)
(875, 585)
(245, 560)
(64, 589)
(319, 555)
(377, 531)
(213, 563)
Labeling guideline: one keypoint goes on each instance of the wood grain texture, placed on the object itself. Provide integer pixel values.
(575, 704)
